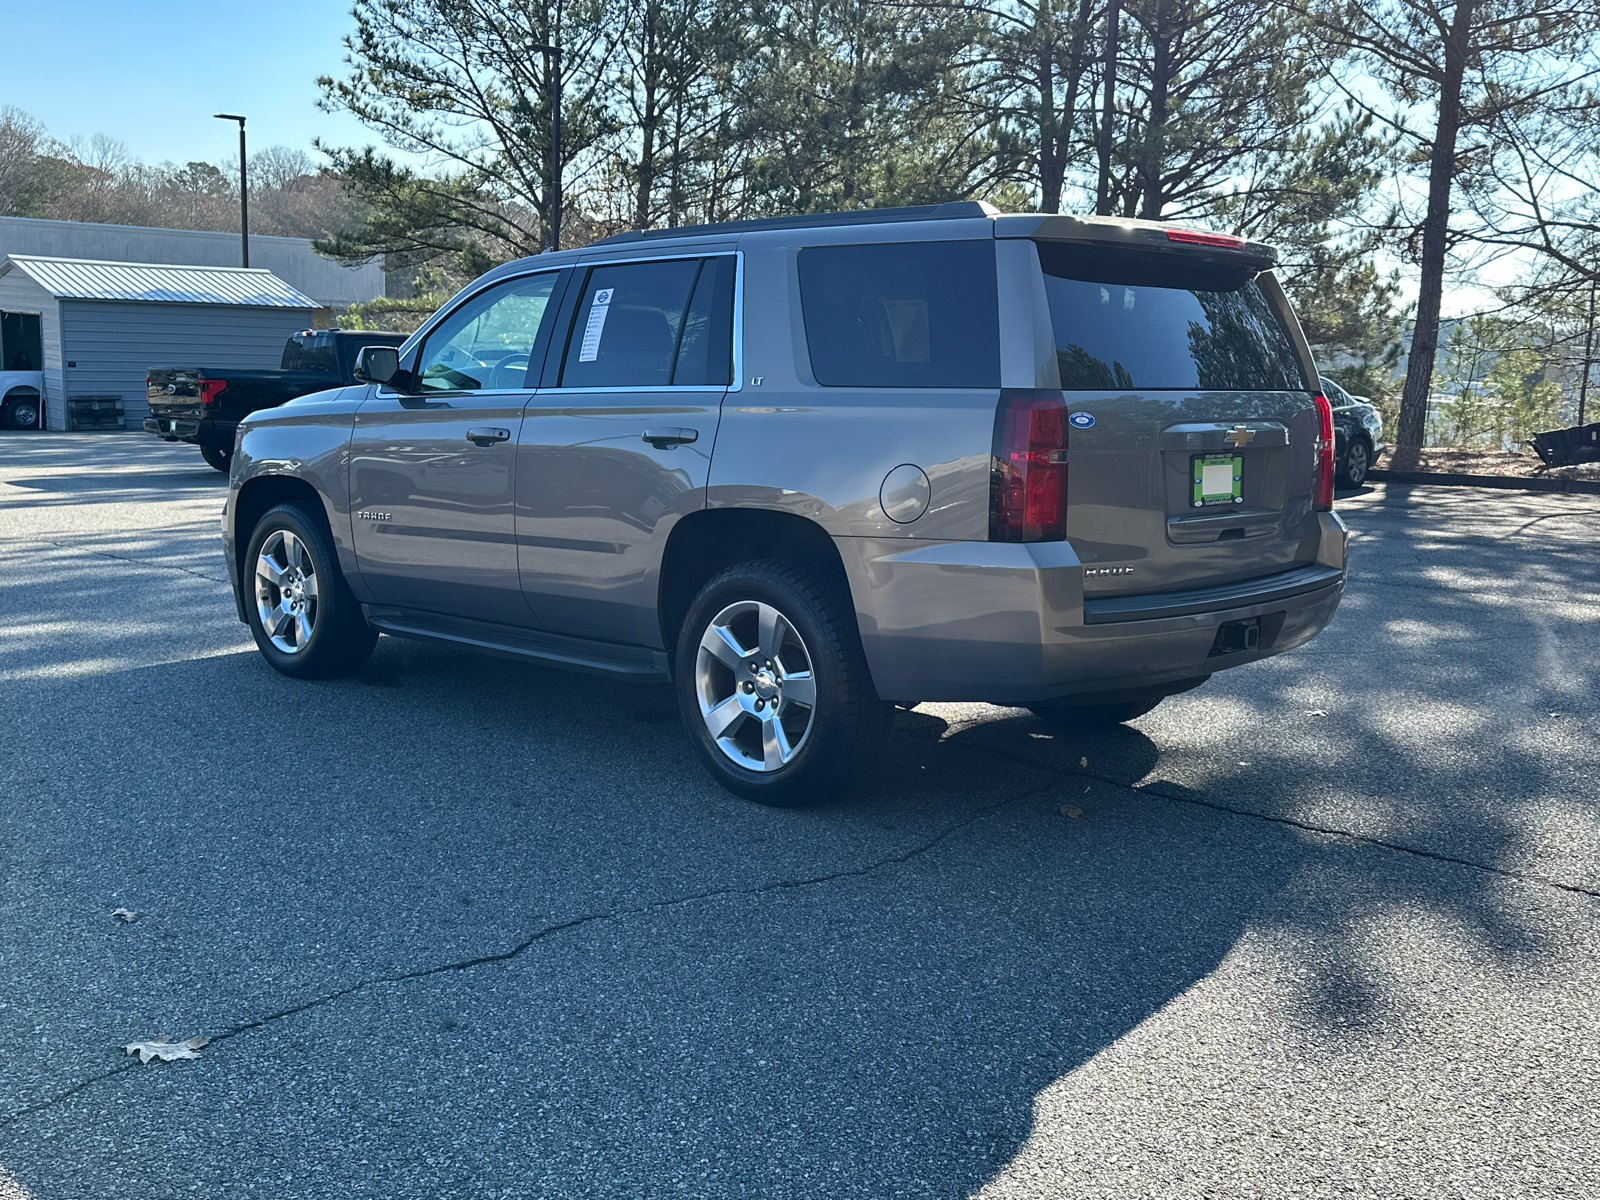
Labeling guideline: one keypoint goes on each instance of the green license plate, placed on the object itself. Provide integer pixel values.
(1218, 479)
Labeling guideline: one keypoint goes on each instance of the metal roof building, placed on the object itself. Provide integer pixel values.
(331, 284)
(90, 330)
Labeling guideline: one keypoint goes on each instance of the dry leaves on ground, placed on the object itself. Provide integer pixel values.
(1071, 810)
(166, 1050)
(126, 914)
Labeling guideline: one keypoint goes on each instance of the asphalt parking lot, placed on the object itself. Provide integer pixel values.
(460, 927)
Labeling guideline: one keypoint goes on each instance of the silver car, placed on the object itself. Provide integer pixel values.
(809, 468)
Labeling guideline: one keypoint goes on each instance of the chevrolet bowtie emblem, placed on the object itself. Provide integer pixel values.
(1239, 435)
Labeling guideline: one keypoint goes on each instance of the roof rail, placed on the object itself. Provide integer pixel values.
(950, 210)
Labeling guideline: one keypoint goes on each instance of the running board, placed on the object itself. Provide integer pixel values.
(550, 649)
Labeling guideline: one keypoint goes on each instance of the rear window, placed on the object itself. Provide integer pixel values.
(913, 314)
(1123, 321)
(310, 352)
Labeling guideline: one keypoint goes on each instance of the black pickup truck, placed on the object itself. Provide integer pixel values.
(205, 406)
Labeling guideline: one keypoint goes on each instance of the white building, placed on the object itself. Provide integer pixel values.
(85, 333)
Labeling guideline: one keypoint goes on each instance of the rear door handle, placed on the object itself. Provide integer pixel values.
(487, 436)
(662, 438)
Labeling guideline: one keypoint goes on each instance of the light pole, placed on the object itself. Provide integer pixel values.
(552, 55)
(244, 191)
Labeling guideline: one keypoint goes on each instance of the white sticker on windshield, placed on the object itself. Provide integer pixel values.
(590, 349)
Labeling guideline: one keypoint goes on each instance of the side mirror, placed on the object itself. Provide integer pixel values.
(377, 364)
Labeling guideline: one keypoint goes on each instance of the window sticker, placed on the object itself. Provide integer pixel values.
(590, 350)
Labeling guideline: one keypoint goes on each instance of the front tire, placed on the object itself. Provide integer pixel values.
(217, 458)
(305, 620)
(774, 687)
(22, 414)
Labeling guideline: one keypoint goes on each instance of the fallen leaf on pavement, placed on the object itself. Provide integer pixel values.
(1316, 712)
(127, 914)
(166, 1050)
(1071, 810)
(1083, 762)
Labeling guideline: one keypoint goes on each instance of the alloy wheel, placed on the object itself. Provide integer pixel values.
(755, 687)
(1356, 463)
(286, 591)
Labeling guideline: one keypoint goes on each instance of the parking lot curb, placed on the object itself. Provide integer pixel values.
(1514, 483)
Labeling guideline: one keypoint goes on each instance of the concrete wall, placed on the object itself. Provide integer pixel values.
(108, 345)
(290, 259)
(20, 294)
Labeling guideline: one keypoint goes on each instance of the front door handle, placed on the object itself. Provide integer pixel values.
(487, 436)
(662, 438)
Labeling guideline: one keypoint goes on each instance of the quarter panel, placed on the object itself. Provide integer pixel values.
(823, 453)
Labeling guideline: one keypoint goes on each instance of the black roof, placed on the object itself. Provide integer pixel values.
(952, 210)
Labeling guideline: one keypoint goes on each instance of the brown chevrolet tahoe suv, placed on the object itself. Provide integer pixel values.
(807, 468)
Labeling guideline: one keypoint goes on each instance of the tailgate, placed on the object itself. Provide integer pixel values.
(1177, 491)
(172, 392)
(1191, 421)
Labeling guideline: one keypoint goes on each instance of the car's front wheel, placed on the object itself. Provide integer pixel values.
(305, 620)
(21, 414)
(774, 687)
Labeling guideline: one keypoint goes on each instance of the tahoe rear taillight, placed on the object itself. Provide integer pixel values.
(1028, 474)
(209, 389)
(1322, 485)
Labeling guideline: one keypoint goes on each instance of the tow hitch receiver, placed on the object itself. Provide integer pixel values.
(1253, 633)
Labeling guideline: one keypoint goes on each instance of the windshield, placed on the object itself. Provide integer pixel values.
(1127, 321)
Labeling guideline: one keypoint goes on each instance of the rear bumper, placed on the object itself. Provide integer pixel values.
(1007, 623)
(171, 427)
(203, 431)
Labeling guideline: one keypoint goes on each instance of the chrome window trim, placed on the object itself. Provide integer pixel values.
(738, 332)
(632, 388)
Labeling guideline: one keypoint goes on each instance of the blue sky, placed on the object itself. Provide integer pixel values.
(151, 72)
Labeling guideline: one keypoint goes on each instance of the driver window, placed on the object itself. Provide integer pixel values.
(484, 345)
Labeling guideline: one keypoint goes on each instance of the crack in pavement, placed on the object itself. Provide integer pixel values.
(1154, 789)
(547, 931)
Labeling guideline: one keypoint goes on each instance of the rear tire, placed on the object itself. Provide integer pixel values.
(218, 458)
(1356, 463)
(306, 622)
(774, 687)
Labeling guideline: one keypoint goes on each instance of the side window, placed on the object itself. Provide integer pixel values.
(632, 321)
(912, 314)
(705, 352)
(485, 344)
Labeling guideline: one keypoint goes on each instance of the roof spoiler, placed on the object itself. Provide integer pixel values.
(1199, 244)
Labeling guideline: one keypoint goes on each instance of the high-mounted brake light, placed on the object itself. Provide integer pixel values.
(1028, 473)
(209, 389)
(1322, 485)
(1198, 237)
